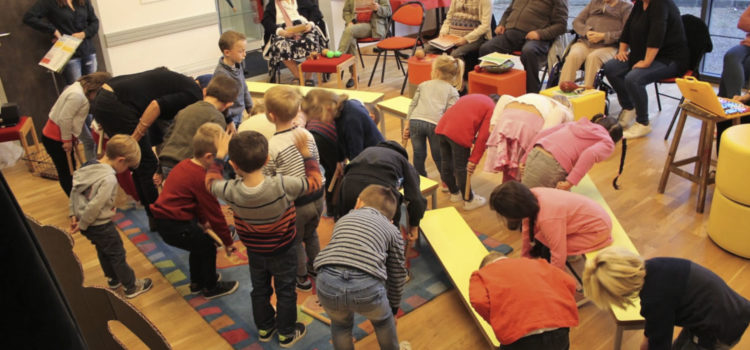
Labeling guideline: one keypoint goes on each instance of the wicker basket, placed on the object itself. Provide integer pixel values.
(41, 163)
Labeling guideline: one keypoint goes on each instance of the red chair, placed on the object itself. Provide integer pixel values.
(390, 30)
(411, 14)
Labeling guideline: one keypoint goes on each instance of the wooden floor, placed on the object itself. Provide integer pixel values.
(659, 225)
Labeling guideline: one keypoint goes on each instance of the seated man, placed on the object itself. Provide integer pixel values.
(469, 20)
(363, 23)
(529, 26)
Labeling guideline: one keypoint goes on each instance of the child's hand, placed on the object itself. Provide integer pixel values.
(229, 249)
(222, 144)
(413, 233)
(406, 133)
(74, 225)
(231, 129)
(470, 167)
(521, 170)
(300, 141)
(564, 185)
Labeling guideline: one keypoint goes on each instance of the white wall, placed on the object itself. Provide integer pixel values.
(117, 15)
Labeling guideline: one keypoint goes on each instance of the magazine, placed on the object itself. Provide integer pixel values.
(445, 42)
(60, 53)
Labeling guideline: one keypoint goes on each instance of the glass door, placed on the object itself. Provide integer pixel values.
(242, 16)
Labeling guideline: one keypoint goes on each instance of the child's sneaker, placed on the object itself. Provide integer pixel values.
(456, 197)
(477, 202)
(304, 284)
(444, 187)
(195, 287)
(141, 286)
(286, 341)
(113, 283)
(265, 335)
(221, 289)
(404, 345)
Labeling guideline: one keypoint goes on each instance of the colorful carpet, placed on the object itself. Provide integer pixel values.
(231, 315)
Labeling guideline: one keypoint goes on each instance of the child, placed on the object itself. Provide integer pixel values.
(92, 207)
(183, 209)
(429, 103)
(563, 154)
(264, 216)
(258, 121)
(542, 307)
(282, 106)
(362, 269)
(178, 145)
(555, 223)
(232, 45)
(673, 292)
(467, 122)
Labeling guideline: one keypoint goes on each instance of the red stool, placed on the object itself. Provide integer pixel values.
(329, 65)
(420, 70)
(20, 132)
(512, 82)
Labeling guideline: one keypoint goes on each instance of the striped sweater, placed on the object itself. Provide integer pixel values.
(366, 240)
(264, 215)
(285, 159)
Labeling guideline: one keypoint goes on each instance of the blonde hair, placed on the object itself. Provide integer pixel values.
(613, 277)
(450, 69)
(125, 146)
(491, 257)
(203, 140)
(283, 102)
(380, 198)
(258, 108)
(228, 38)
(322, 105)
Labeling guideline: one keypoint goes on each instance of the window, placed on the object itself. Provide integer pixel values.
(242, 18)
(722, 24)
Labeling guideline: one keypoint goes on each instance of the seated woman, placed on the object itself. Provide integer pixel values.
(469, 20)
(672, 292)
(290, 36)
(599, 26)
(370, 22)
(652, 47)
(513, 128)
(563, 154)
(555, 223)
(736, 73)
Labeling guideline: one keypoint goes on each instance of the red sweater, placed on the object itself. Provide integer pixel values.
(466, 121)
(185, 197)
(519, 295)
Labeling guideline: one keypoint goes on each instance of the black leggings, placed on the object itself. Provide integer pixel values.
(60, 160)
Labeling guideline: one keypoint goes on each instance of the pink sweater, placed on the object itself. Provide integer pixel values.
(577, 146)
(568, 224)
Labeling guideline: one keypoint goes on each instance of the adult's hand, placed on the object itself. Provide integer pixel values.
(461, 42)
(79, 35)
(499, 30)
(621, 56)
(374, 6)
(57, 34)
(641, 64)
(532, 35)
(284, 33)
(308, 27)
(67, 146)
(594, 37)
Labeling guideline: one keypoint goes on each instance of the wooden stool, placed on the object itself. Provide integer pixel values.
(702, 159)
(398, 107)
(512, 82)
(584, 105)
(20, 132)
(329, 65)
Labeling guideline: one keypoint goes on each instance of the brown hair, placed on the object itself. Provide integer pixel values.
(248, 150)
(203, 140)
(122, 145)
(283, 102)
(323, 105)
(380, 198)
(491, 257)
(93, 82)
(449, 69)
(224, 88)
(228, 38)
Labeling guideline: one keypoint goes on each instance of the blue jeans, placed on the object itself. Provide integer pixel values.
(736, 71)
(630, 84)
(78, 66)
(282, 268)
(342, 291)
(89, 146)
(111, 253)
(420, 132)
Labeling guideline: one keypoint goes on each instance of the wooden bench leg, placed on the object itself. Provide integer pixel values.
(618, 336)
(705, 160)
(672, 151)
(355, 75)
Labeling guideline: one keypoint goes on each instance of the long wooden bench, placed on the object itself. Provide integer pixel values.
(629, 318)
(460, 252)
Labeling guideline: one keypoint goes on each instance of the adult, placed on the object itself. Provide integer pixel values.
(529, 26)
(598, 26)
(65, 123)
(469, 20)
(736, 72)
(371, 21)
(386, 164)
(655, 36)
(672, 292)
(143, 104)
(68, 17)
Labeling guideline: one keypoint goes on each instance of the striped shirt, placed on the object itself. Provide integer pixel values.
(285, 159)
(366, 240)
(264, 215)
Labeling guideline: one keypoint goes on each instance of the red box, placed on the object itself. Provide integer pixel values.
(512, 82)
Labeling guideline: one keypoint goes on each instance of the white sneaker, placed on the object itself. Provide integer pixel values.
(456, 197)
(636, 131)
(404, 345)
(444, 187)
(477, 202)
(626, 117)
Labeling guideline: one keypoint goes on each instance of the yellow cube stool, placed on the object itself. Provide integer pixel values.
(585, 105)
(728, 225)
(734, 164)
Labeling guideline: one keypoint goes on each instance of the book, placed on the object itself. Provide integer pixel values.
(496, 58)
(445, 42)
(60, 53)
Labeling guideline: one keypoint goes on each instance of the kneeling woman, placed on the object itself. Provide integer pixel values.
(555, 223)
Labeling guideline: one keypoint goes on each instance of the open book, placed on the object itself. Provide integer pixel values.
(60, 53)
(497, 59)
(445, 42)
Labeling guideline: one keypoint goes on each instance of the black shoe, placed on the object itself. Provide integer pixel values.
(195, 287)
(309, 82)
(221, 289)
(401, 55)
(376, 49)
(350, 83)
(113, 283)
(141, 286)
(286, 341)
(151, 224)
(265, 335)
(304, 284)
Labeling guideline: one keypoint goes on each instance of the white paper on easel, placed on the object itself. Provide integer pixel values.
(60, 53)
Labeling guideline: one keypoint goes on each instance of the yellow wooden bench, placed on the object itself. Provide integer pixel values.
(428, 187)
(460, 252)
(258, 89)
(629, 318)
(398, 107)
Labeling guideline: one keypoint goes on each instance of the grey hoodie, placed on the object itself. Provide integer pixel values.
(92, 199)
(243, 100)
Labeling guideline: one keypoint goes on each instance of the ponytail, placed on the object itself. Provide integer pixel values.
(615, 131)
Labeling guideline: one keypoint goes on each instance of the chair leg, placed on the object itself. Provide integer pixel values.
(385, 58)
(361, 60)
(374, 68)
(658, 100)
(674, 118)
(403, 86)
(544, 74)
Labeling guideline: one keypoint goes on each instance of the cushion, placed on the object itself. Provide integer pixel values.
(324, 64)
(397, 43)
(11, 133)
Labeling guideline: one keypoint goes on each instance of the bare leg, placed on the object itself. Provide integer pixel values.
(292, 66)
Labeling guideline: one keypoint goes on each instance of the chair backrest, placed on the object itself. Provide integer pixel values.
(698, 39)
(410, 13)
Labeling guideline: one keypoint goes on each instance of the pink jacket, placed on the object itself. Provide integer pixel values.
(568, 224)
